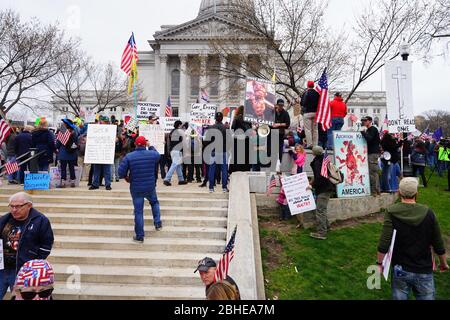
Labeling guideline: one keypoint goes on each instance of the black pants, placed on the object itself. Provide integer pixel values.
(420, 170)
(91, 175)
(71, 165)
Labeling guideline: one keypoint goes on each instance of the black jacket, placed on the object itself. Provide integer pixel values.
(310, 101)
(372, 136)
(211, 134)
(44, 140)
(321, 184)
(37, 239)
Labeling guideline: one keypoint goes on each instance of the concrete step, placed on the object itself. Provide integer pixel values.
(127, 275)
(128, 220)
(96, 291)
(150, 244)
(128, 231)
(156, 259)
(105, 209)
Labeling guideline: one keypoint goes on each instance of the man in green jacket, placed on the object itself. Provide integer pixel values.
(418, 234)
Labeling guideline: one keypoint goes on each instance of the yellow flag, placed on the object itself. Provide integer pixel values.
(133, 76)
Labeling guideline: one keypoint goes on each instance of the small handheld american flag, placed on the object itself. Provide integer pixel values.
(325, 163)
(63, 137)
(272, 184)
(224, 263)
(12, 167)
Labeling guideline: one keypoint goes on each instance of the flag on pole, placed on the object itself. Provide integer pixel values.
(272, 184)
(169, 110)
(133, 76)
(224, 263)
(326, 161)
(203, 96)
(129, 55)
(5, 130)
(426, 135)
(12, 167)
(438, 134)
(323, 109)
(63, 137)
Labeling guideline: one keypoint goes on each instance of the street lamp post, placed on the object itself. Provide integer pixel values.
(405, 49)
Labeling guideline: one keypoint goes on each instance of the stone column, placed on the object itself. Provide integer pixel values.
(163, 80)
(183, 85)
(243, 73)
(203, 72)
(223, 82)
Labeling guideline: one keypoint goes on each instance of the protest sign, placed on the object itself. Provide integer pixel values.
(2, 264)
(132, 124)
(87, 114)
(203, 114)
(55, 177)
(146, 109)
(300, 199)
(388, 258)
(351, 157)
(37, 181)
(260, 102)
(154, 134)
(101, 144)
(229, 114)
(399, 97)
(168, 123)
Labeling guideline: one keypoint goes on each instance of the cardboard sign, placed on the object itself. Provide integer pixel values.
(351, 157)
(203, 114)
(260, 99)
(100, 144)
(388, 257)
(300, 199)
(154, 134)
(399, 97)
(168, 123)
(2, 263)
(146, 109)
(55, 176)
(37, 181)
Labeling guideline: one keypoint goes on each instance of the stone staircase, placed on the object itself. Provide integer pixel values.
(93, 242)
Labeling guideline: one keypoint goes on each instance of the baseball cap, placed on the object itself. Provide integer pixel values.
(205, 264)
(280, 102)
(367, 119)
(219, 116)
(141, 141)
(409, 187)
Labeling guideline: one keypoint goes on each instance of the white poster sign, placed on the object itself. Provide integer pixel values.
(100, 144)
(154, 134)
(203, 114)
(168, 123)
(299, 198)
(146, 109)
(399, 96)
(2, 263)
(388, 257)
(132, 124)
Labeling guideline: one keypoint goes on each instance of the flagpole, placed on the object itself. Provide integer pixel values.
(135, 99)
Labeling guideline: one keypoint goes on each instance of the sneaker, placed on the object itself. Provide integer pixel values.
(117, 180)
(72, 184)
(199, 181)
(138, 240)
(93, 188)
(211, 190)
(318, 236)
(108, 188)
(158, 227)
(182, 183)
(12, 182)
(167, 184)
(225, 190)
(203, 185)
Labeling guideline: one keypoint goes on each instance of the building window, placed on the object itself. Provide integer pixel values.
(175, 83)
(376, 121)
(351, 111)
(113, 109)
(195, 85)
(376, 111)
(363, 111)
(214, 85)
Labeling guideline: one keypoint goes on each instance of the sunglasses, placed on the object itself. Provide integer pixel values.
(30, 295)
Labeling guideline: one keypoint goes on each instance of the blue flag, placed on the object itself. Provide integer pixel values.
(438, 134)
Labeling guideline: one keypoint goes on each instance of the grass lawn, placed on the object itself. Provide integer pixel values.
(336, 269)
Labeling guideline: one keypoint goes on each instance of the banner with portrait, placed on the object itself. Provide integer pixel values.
(260, 100)
(352, 159)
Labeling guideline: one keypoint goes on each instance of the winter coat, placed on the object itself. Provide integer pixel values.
(338, 108)
(418, 157)
(64, 152)
(11, 145)
(299, 161)
(310, 101)
(24, 141)
(44, 140)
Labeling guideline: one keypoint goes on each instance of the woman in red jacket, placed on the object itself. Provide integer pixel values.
(338, 114)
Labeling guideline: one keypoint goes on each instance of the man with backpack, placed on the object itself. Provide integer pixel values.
(324, 189)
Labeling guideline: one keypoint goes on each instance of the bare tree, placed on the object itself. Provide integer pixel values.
(435, 119)
(384, 24)
(28, 55)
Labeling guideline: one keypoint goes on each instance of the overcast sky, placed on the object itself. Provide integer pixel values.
(105, 26)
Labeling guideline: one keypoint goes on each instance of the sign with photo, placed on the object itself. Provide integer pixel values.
(300, 199)
(168, 123)
(351, 157)
(100, 144)
(260, 100)
(154, 134)
(146, 109)
(203, 114)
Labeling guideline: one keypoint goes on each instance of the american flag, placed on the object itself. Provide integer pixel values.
(169, 111)
(325, 163)
(224, 263)
(63, 137)
(5, 130)
(129, 54)
(426, 135)
(323, 109)
(272, 184)
(12, 167)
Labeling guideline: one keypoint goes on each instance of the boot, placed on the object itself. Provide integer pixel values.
(72, 184)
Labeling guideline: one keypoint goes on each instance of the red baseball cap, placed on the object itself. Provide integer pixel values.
(141, 141)
(311, 84)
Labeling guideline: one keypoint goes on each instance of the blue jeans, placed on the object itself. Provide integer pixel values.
(138, 203)
(223, 167)
(422, 285)
(106, 169)
(14, 176)
(116, 167)
(337, 124)
(64, 165)
(7, 280)
(177, 165)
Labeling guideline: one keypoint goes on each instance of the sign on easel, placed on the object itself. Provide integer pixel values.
(399, 97)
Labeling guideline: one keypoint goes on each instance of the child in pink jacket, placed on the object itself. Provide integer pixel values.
(299, 157)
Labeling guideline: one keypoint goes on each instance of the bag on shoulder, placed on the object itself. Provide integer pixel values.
(335, 176)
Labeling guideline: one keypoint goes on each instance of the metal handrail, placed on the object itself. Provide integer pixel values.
(23, 162)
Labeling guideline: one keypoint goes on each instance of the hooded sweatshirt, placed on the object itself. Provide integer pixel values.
(417, 233)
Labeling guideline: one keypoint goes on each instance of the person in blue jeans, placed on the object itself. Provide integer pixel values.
(176, 153)
(138, 168)
(418, 235)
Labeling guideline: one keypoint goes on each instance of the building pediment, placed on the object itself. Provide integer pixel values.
(208, 28)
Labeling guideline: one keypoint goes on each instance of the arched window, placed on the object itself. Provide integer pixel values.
(175, 83)
(195, 85)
